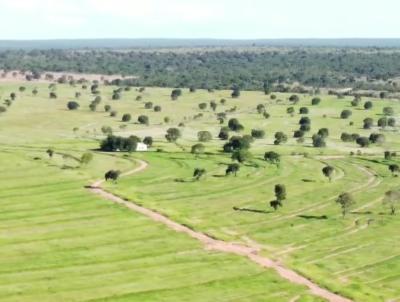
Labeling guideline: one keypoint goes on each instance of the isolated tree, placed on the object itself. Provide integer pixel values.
(315, 101)
(323, 132)
(387, 155)
(7, 102)
(72, 105)
(368, 105)
(280, 195)
(298, 134)
(303, 110)
(126, 117)
(345, 200)
(116, 96)
(157, 108)
(197, 149)
(232, 169)
(260, 108)
(241, 156)
(202, 106)
(305, 120)
(388, 111)
(355, 102)
(391, 122)
(86, 158)
(377, 138)
(148, 140)
(143, 119)
(392, 200)
(204, 136)
(50, 152)
(3, 109)
(363, 141)
(318, 141)
(294, 98)
(383, 122)
(107, 108)
(173, 134)
(113, 175)
(345, 114)
(53, 95)
(328, 172)
(13, 96)
(148, 105)
(198, 173)
(368, 123)
(234, 125)
(290, 110)
(272, 157)
(394, 168)
(107, 130)
(35, 91)
(280, 138)
(224, 133)
(213, 105)
(235, 93)
(175, 94)
(258, 133)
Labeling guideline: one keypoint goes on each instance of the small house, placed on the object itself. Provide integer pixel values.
(141, 147)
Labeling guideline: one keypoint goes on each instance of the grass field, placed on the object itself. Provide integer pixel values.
(60, 242)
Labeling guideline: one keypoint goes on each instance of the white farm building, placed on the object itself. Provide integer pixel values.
(141, 147)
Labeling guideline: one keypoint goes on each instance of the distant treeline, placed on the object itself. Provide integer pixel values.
(362, 68)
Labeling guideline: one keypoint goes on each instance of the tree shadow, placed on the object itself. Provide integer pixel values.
(322, 217)
(361, 213)
(252, 210)
(219, 175)
(181, 180)
(307, 180)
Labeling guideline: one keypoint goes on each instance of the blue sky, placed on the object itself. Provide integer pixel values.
(244, 19)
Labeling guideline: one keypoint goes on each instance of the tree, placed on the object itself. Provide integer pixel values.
(53, 95)
(198, 173)
(345, 114)
(234, 125)
(116, 96)
(392, 199)
(315, 101)
(235, 93)
(237, 143)
(318, 141)
(107, 130)
(232, 169)
(224, 133)
(117, 143)
(323, 132)
(377, 138)
(148, 140)
(113, 175)
(382, 122)
(13, 96)
(202, 106)
(294, 98)
(305, 120)
(290, 110)
(394, 168)
(388, 111)
(241, 156)
(50, 152)
(143, 119)
(355, 102)
(260, 108)
(368, 123)
(157, 108)
(391, 122)
(86, 158)
(280, 195)
(204, 136)
(345, 200)
(213, 105)
(107, 108)
(126, 117)
(197, 149)
(93, 106)
(303, 110)
(272, 157)
(368, 105)
(35, 91)
(258, 133)
(280, 138)
(3, 109)
(173, 134)
(363, 141)
(328, 172)
(72, 105)
(148, 105)
(175, 94)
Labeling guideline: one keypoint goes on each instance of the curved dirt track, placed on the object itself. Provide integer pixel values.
(214, 244)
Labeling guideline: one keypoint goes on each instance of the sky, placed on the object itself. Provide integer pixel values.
(228, 19)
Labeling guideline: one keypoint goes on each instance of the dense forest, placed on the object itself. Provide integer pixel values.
(250, 69)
